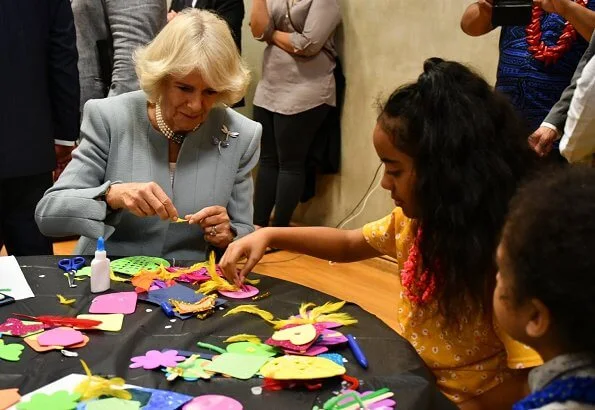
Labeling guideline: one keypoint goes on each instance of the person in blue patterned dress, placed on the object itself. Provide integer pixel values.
(533, 85)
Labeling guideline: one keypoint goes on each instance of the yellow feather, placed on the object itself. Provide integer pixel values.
(65, 301)
(216, 282)
(328, 307)
(253, 309)
(304, 309)
(94, 386)
(243, 338)
(314, 316)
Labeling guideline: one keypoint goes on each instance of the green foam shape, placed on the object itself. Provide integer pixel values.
(250, 348)
(240, 366)
(134, 264)
(113, 403)
(60, 400)
(11, 352)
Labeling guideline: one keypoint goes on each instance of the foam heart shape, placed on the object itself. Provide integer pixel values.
(298, 335)
(11, 352)
(61, 336)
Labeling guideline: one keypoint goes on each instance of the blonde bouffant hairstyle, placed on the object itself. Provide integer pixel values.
(195, 40)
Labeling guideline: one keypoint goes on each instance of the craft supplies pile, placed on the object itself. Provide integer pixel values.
(302, 351)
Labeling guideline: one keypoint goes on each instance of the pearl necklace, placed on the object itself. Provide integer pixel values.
(164, 128)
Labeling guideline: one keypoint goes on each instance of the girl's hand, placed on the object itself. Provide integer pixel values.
(250, 248)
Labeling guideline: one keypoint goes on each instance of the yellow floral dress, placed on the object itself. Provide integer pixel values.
(467, 361)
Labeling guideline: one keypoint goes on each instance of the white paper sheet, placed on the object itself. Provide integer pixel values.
(11, 277)
(67, 383)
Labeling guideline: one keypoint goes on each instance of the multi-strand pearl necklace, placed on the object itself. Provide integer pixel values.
(164, 128)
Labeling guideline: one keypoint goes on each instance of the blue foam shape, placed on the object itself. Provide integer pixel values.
(179, 292)
(334, 357)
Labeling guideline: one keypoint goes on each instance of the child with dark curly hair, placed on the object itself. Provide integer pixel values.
(545, 286)
(454, 152)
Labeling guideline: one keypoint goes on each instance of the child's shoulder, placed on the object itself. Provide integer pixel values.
(391, 235)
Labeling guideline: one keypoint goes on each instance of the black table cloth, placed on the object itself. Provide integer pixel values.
(392, 361)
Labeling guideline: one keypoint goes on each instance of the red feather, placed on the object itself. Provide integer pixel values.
(56, 321)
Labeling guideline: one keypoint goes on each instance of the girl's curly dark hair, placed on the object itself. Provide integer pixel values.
(470, 152)
(548, 250)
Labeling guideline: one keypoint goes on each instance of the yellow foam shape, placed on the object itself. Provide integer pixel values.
(298, 335)
(292, 367)
(109, 323)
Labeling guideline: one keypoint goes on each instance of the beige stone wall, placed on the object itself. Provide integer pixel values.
(383, 44)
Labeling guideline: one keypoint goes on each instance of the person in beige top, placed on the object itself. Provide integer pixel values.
(293, 97)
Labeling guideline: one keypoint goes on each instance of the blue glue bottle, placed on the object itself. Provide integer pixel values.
(100, 270)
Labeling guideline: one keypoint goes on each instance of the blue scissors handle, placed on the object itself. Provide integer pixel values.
(70, 264)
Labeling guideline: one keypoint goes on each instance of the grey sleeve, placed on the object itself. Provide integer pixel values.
(240, 207)
(133, 23)
(71, 207)
(559, 112)
(322, 20)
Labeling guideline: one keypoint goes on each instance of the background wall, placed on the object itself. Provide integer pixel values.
(383, 44)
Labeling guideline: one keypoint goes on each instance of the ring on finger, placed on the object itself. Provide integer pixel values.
(213, 230)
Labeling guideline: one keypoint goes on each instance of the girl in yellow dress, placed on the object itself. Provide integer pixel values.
(454, 152)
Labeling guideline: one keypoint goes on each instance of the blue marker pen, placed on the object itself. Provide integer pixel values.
(357, 352)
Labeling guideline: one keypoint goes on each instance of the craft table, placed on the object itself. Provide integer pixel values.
(392, 361)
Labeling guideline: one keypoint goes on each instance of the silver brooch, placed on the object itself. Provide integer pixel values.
(223, 141)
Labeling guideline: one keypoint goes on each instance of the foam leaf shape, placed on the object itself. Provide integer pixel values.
(298, 335)
(61, 400)
(154, 359)
(11, 352)
(300, 368)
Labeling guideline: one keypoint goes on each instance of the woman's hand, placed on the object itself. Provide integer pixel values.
(251, 248)
(553, 6)
(214, 221)
(141, 199)
(542, 140)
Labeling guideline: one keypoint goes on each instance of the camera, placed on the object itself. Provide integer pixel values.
(511, 12)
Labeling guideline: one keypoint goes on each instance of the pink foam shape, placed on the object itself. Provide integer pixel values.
(213, 402)
(154, 359)
(241, 294)
(330, 337)
(119, 302)
(312, 351)
(17, 328)
(60, 336)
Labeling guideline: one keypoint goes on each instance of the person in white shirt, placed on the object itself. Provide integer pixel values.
(578, 141)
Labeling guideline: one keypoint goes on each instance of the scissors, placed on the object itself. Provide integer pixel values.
(70, 266)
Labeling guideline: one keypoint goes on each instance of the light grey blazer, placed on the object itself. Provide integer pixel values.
(119, 144)
(559, 112)
(131, 23)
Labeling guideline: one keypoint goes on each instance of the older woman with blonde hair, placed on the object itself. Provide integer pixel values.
(165, 171)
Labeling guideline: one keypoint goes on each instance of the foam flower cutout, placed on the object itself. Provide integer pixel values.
(154, 359)
(11, 352)
(61, 400)
(190, 370)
